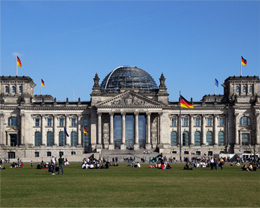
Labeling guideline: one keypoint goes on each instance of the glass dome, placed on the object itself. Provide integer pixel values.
(128, 77)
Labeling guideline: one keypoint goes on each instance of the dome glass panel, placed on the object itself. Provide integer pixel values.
(128, 77)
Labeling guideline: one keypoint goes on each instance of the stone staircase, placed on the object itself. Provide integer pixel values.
(121, 154)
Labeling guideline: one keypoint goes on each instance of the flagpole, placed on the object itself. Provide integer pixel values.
(241, 66)
(41, 85)
(16, 67)
(180, 125)
(215, 86)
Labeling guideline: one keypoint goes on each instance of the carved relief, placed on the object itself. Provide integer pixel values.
(128, 100)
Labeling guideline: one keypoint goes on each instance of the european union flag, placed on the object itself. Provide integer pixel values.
(216, 82)
(66, 132)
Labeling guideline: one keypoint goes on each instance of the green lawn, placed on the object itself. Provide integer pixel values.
(124, 186)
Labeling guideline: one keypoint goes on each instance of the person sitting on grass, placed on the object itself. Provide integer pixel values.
(250, 167)
(136, 165)
(244, 168)
(187, 167)
(39, 166)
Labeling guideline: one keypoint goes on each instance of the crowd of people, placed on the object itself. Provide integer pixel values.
(159, 161)
(100, 163)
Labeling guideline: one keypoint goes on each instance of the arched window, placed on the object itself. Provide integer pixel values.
(197, 138)
(13, 121)
(20, 89)
(38, 138)
(173, 138)
(74, 138)
(86, 140)
(244, 121)
(7, 89)
(14, 89)
(221, 138)
(209, 139)
(62, 138)
(244, 89)
(250, 89)
(237, 89)
(185, 138)
(50, 139)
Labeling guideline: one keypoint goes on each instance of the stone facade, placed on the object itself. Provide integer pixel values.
(34, 126)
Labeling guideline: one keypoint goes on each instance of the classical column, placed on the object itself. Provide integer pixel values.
(22, 130)
(55, 137)
(44, 136)
(136, 128)
(236, 123)
(111, 128)
(215, 130)
(148, 115)
(123, 128)
(257, 130)
(67, 138)
(79, 130)
(123, 145)
(203, 130)
(191, 131)
(160, 128)
(99, 128)
(2, 134)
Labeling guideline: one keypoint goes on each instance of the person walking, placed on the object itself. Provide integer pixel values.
(216, 163)
(211, 163)
(61, 162)
(221, 163)
(53, 164)
(31, 164)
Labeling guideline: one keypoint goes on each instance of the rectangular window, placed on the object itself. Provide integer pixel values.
(174, 122)
(37, 122)
(185, 122)
(73, 122)
(85, 122)
(197, 122)
(221, 122)
(61, 122)
(37, 154)
(49, 122)
(48, 154)
(245, 139)
(209, 121)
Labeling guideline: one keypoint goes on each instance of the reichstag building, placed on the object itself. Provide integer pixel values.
(127, 111)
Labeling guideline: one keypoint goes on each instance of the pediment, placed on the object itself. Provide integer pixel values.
(129, 99)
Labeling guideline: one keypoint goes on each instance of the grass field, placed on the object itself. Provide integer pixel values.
(124, 186)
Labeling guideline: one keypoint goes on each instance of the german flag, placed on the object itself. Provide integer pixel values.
(243, 61)
(85, 131)
(19, 63)
(184, 103)
(42, 83)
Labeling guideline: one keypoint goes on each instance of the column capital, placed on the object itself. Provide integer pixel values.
(136, 113)
(111, 113)
(123, 113)
(148, 113)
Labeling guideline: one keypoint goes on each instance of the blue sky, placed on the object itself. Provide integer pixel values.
(191, 42)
